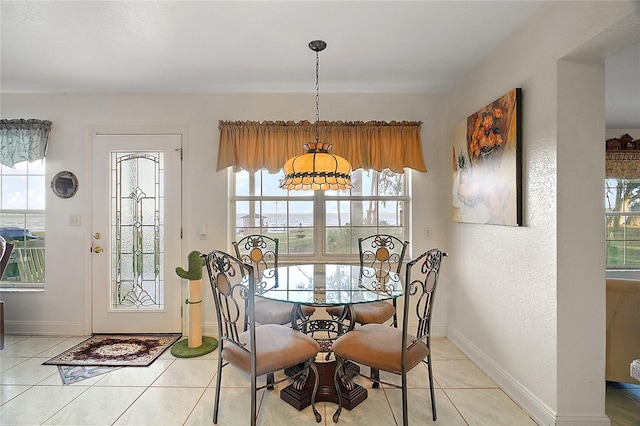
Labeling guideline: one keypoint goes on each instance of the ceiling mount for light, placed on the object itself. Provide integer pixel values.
(317, 45)
(317, 169)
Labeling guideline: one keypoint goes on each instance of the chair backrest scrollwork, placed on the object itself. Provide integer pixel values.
(420, 284)
(383, 252)
(260, 251)
(233, 285)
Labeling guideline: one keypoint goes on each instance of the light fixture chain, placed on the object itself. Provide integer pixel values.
(317, 169)
(317, 97)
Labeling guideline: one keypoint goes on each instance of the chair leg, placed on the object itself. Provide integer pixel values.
(253, 400)
(316, 379)
(405, 404)
(270, 380)
(218, 382)
(336, 380)
(375, 377)
(395, 314)
(433, 395)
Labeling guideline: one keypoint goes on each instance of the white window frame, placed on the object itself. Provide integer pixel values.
(13, 285)
(625, 242)
(319, 198)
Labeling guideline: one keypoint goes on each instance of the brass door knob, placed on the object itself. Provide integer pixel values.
(98, 249)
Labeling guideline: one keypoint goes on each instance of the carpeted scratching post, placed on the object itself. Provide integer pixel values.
(195, 345)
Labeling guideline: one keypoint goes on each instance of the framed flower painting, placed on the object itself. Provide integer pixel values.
(487, 164)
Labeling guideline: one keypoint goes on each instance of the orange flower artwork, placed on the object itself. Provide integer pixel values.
(487, 164)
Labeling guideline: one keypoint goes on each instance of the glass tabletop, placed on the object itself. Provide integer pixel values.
(329, 284)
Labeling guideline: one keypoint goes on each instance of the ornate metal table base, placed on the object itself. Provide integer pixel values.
(326, 389)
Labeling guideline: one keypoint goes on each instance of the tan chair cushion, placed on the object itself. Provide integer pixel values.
(367, 313)
(276, 312)
(379, 346)
(277, 347)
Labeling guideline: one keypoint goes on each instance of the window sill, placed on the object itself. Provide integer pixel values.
(21, 289)
(631, 273)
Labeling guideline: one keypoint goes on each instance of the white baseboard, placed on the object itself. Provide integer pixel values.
(48, 328)
(539, 411)
(582, 421)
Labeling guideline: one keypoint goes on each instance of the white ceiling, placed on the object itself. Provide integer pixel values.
(249, 46)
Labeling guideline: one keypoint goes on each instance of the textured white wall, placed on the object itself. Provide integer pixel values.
(528, 303)
(509, 297)
(63, 307)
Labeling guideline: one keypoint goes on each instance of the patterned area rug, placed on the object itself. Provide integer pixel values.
(116, 350)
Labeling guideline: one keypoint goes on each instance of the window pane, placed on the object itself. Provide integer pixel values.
(271, 184)
(300, 240)
(622, 222)
(14, 192)
(255, 184)
(300, 213)
(338, 213)
(370, 214)
(35, 225)
(35, 197)
(22, 221)
(390, 183)
(389, 213)
(374, 205)
(368, 185)
(241, 183)
(275, 213)
(341, 241)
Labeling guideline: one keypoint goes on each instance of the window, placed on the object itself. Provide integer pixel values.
(320, 225)
(22, 208)
(622, 221)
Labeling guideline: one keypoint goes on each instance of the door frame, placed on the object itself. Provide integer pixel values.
(87, 224)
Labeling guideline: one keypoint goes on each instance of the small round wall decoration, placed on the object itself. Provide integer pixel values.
(64, 184)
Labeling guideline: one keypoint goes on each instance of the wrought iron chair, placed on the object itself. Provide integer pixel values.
(392, 349)
(261, 252)
(5, 252)
(260, 350)
(385, 253)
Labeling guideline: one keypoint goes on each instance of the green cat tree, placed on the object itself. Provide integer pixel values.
(195, 345)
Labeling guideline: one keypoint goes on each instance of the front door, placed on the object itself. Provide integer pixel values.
(136, 226)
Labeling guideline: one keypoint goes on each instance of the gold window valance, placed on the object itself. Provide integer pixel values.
(622, 165)
(377, 145)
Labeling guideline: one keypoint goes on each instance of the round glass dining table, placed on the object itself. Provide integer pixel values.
(329, 284)
(323, 285)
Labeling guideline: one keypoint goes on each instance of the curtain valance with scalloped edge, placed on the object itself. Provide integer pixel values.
(23, 140)
(622, 165)
(377, 145)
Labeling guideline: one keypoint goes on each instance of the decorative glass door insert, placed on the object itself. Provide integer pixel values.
(137, 218)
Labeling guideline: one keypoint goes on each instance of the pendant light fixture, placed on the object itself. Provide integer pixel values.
(317, 169)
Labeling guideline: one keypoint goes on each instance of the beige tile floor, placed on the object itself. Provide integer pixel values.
(174, 391)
